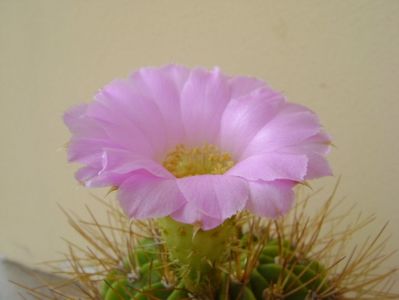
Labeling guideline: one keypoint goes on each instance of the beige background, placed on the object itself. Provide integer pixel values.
(341, 58)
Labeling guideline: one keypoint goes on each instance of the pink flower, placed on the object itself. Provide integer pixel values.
(196, 145)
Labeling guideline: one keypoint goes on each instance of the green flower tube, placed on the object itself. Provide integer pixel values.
(198, 253)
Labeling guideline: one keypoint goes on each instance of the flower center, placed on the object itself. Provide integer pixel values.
(207, 159)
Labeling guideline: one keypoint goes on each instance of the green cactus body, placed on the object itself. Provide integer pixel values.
(178, 293)
(302, 276)
(157, 290)
(111, 277)
(278, 268)
(119, 290)
(240, 292)
(144, 252)
(258, 284)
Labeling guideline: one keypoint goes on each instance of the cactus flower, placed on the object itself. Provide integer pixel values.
(196, 145)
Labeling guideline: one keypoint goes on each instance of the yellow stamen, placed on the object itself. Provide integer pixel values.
(207, 159)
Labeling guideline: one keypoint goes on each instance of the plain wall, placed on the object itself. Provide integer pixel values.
(340, 58)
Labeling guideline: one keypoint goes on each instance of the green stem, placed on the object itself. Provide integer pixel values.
(198, 253)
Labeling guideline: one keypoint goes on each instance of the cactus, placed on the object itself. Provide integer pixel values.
(277, 271)
(247, 258)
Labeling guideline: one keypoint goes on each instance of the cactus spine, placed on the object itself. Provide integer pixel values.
(277, 271)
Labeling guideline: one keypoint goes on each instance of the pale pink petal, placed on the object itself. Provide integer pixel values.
(92, 133)
(271, 166)
(87, 150)
(203, 100)
(315, 148)
(109, 166)
(270, 199)
(163, 86)
(90, 150)
(117, 165)
(73, 118)
(215, 196)
(86, 173)
(189, 214)
(319, 143)
(291, 125)
(317, 167)
(242, 86)
(130, 138)
(123, 162)
(80, 125)
(90, 177)
(143, 196)
(120, 104)
(245, 116)
(105, 179)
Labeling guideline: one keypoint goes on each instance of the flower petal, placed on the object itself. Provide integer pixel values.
(215, 196)
(117, 165)
(143, 195)
(85, 173)
(163, 86)
(317, 167)
(123, 162)
(189, 214)
(271, 166)
(242, 86)
(119, 104)
(292, 125)
(270, 199)
(245, 116)
(319, 143)
(203, 100)
(87, 150)
(315, 148)
(82, 126)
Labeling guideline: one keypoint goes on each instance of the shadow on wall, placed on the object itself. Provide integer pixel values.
(13, 274)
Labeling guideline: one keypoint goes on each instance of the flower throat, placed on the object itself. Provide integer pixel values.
(207, 159)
